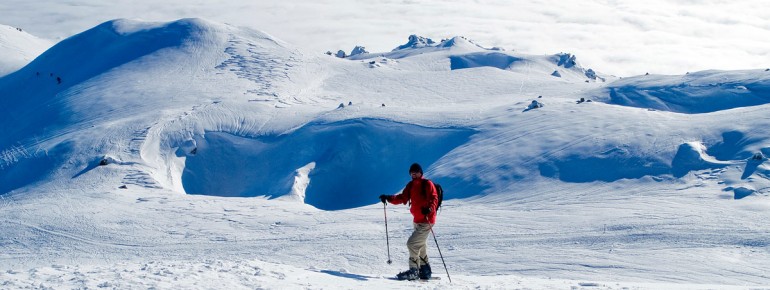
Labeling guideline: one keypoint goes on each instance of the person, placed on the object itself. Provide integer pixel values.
(421, 193)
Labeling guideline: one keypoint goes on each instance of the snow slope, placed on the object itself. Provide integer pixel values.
(698, 92)
(169, 149)
(18, 48)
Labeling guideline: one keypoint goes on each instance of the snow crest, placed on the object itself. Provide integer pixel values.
(192, 142)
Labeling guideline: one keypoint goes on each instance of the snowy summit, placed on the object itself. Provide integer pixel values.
(194, 154)
(18, 48)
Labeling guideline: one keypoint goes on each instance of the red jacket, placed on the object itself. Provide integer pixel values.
(414, 193)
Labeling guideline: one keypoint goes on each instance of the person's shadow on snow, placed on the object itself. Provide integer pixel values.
(346, 275)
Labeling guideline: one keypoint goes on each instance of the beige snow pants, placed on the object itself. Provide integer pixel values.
(417, 244)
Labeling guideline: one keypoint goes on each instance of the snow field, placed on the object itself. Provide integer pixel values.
(228, 157)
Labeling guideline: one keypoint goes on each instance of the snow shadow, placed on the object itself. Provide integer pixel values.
(742, 192)
(71, 62)
(355, 161)
(347, 275)
(690, 157)
(732, 147)
(694, 95)
(472, 60)
(106, 46)
(91, 165)
(751, 168)
(29, 169)
(619, 163)
(608, 169)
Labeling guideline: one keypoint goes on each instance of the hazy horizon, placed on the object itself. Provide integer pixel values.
(622, 38)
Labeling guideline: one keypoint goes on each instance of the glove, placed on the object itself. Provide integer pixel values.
(426, 210)
(384, 198)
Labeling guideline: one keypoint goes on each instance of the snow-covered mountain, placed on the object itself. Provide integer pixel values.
(18, 48)
(180, 145)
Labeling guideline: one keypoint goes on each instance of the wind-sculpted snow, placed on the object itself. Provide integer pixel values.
(18, 48)
(497, 60)
(734, 144)
(105, 47)
(634, 163)
(624, 162)
(595, 168)
(31, 167)
(264, 63)
(354, 159)
(192, 142)
(130, 76)
(692, 156)
(693, 93)
(34, 94)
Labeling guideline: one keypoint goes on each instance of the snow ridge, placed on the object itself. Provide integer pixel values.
(18, 48)
(192, 142)
(693, 93)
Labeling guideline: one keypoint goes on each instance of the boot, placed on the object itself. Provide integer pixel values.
(410, 274)
(425, 272)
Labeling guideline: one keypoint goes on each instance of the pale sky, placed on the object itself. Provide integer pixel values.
(620, 37)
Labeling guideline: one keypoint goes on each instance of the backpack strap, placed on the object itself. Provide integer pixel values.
(408, 188)
(408, 191)
(425, 188)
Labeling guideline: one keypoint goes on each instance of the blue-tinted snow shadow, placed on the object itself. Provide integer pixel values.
(619, 163)
(34, 168)
(458, 188)
(751, 167)
(472, 60)
(608, 169)
(732, 147)
(74, 60)
(355, 161)
(347, 275)
(742, 192)
(91, 165)
(688, 159)
(689, 98)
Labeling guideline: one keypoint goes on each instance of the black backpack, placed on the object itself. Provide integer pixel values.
(440, 193)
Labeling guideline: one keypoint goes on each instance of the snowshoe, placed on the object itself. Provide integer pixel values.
(425, 272)
(410, 274)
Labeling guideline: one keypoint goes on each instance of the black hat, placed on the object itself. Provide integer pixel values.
(415, 168)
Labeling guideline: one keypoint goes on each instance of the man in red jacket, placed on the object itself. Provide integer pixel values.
(424, 200)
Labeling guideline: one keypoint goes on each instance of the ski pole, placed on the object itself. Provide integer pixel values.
(439, 249)
(386, 231)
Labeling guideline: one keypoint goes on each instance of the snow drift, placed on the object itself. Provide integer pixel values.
(353, 159)
(214, 137)
(698, 92)
(102, 92)
(497, 60)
